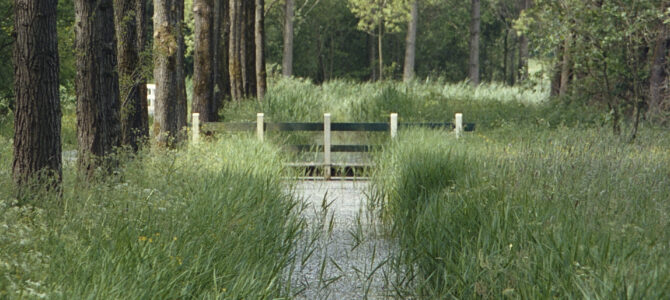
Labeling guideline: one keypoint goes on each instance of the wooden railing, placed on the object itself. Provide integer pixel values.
(327, 127)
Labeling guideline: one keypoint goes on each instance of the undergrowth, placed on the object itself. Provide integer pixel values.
(528, 213)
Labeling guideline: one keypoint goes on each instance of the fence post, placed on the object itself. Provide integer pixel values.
(260, 126)
(195, 127)
(394, 125)
(458, 128)
(326, 146)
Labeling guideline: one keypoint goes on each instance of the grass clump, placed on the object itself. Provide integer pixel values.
(530, 213)
(212, 221)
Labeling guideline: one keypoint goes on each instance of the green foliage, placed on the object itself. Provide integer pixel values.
(213, 221)
(375, 13)
(527, 213)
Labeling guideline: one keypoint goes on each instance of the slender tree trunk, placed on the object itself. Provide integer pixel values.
(505, 55)
(182, 104)
(168, 72)
(97, 85)
(287, 60)
(380, 48)
(523, 46)
(566, 65)
(372, 45)
(216, 102)
(249, 55)
(37, 114)
(410, 43)
(235, 46)
(128, 17)
(474, 42)
(658, 76)
(223, 76)
(203, 56)
(142, 124)
(261, 84)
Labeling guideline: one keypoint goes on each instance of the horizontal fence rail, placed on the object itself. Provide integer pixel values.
(326, 127)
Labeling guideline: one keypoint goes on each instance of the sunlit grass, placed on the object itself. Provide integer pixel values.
(529, 213)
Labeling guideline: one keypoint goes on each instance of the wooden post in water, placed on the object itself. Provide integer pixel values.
(260, 124)
(195, 128)
(326, 146)
(394, 125)
(458, 128)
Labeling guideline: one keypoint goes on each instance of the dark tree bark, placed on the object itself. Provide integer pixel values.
(37, 113)
(474, 42)
(182, 106)
(249, 49)
(97, 85)
(170, 111)
(143, 13)
(234, 50)
(287, 59)
(204, 63)
(658, 76)
(223, 76)
(129, 17)
(261, 84)
(410, 44)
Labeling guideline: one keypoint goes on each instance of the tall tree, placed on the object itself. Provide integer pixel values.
(37, 114)
(170, 111)
(204, 59)
(410, 43)
(222, 89)
(475, 23)
(248, 51)
(234, 49)
(97, 85)
(287, 58)
(129, 21)
(523, 45)
(261, 84)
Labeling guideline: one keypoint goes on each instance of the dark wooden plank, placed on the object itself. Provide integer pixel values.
(447, 125)
(359, 127)
(294, 126)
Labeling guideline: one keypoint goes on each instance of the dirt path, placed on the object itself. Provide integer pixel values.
(343, 258)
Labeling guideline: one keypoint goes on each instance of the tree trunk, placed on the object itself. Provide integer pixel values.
(249, 55)
(234, 50)
(129, 15)
(523, 47)
(182, 104)
(203, 56)
(168, 72)
(37, 113)
(410, 44)
(566, 66)
(144, 61)
(379, 48)
(261, 84)
(222, 89)
(658, 76)
(372, 45)
(287, 60)
(474, 42)
(97, 85)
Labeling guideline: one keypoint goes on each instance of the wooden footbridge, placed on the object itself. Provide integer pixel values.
(326, 167)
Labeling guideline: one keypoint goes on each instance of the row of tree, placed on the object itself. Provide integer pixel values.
(111, 41)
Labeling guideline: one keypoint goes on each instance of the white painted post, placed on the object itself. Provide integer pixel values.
(260, 126)
(394, 125)
(326, 146)
(459, 125)
(195, 127)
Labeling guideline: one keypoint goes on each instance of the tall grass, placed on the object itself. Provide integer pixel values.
(213, 221)
(531, 214)
(490, 105)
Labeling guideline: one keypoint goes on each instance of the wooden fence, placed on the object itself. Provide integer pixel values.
(327, 127)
